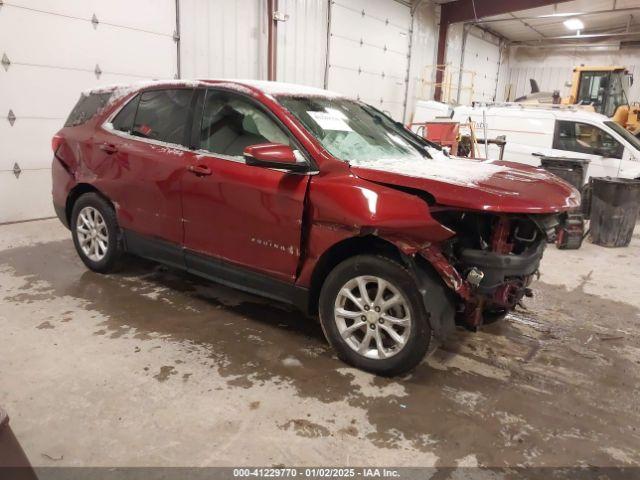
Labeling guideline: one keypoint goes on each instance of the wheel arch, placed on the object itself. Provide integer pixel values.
(341, 251)
(428, 281)
(76, 192)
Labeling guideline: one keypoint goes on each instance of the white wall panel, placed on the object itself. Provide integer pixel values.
(54, 48)
(552, 68)
(223, 39)
(302, 42)
(369, 52)
(424, 43)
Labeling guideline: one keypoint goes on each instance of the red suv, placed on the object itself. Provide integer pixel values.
(306, 197)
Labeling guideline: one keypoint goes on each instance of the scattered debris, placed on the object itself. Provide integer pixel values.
(615, 337)
(291, 362)
(54, 458)
(164, 373)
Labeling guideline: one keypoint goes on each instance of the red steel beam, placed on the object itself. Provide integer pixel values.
(465, 10)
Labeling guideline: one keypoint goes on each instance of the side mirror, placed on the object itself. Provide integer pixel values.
(274, 155)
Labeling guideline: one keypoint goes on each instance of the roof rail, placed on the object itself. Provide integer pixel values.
(543, 106)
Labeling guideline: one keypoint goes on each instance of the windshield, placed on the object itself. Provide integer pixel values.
(633, 140)
(355, 132)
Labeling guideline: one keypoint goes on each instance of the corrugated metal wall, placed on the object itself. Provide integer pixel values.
(302, 42)
(552, 68)
(424, 44)
(223, 39)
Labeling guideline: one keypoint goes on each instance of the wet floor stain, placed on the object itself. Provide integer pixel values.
(543, 385)
(165, 372)
(306, 428)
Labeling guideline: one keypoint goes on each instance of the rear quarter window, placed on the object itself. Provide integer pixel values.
(86, 108)
(123, 121)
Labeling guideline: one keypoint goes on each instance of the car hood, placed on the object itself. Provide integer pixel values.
(475, 185)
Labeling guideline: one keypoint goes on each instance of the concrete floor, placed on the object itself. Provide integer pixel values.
(153, 367)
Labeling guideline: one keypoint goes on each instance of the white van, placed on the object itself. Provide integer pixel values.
(555, 131)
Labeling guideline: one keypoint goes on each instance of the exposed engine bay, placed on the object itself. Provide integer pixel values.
(497, 255)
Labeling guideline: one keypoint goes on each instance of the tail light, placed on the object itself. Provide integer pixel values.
(56, 141)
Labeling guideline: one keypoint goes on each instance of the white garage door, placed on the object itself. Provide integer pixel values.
(481, 56)
(52, 50)
(369, 52)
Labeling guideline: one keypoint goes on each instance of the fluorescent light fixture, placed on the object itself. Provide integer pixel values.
(558, 15)
(574, 24)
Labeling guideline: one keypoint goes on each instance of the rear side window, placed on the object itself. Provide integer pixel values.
(123, 121)
(87, 107)
(162, 115)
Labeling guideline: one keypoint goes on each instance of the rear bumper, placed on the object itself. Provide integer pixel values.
(61, 213)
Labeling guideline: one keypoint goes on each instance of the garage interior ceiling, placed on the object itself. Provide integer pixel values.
(604, 20)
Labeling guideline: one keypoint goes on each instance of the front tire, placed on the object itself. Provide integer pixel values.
(96, 234)
(373, 315)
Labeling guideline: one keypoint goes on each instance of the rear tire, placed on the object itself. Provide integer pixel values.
(95, 233)
(385, 330)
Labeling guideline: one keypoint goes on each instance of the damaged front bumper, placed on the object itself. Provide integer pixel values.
(502, 280)
(497, 269)
(495, 277)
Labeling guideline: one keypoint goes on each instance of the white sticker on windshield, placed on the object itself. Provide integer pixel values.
(330, 121)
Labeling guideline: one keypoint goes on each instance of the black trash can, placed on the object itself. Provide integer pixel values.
(614, 210)
(585, 204)
(571, 170)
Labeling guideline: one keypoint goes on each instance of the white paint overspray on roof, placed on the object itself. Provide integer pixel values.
(282, 88)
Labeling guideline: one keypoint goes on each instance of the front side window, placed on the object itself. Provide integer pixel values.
(352, 131)
(230, 123)
(162, 115)
(585, 138)
(626, 134)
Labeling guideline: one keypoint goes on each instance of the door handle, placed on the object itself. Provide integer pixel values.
(199, 170)
(108, 148)
(538, 154)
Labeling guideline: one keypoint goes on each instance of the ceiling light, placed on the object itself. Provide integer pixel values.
(574, 24)
(557, 15)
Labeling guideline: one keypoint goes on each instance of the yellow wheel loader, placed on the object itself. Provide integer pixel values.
(603, 89)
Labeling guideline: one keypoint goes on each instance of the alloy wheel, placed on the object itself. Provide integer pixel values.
(373, 317)
(92, 232)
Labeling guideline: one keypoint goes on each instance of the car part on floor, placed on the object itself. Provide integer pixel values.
(571, 232)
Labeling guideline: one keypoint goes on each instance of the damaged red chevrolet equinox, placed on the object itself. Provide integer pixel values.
(307, 197)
